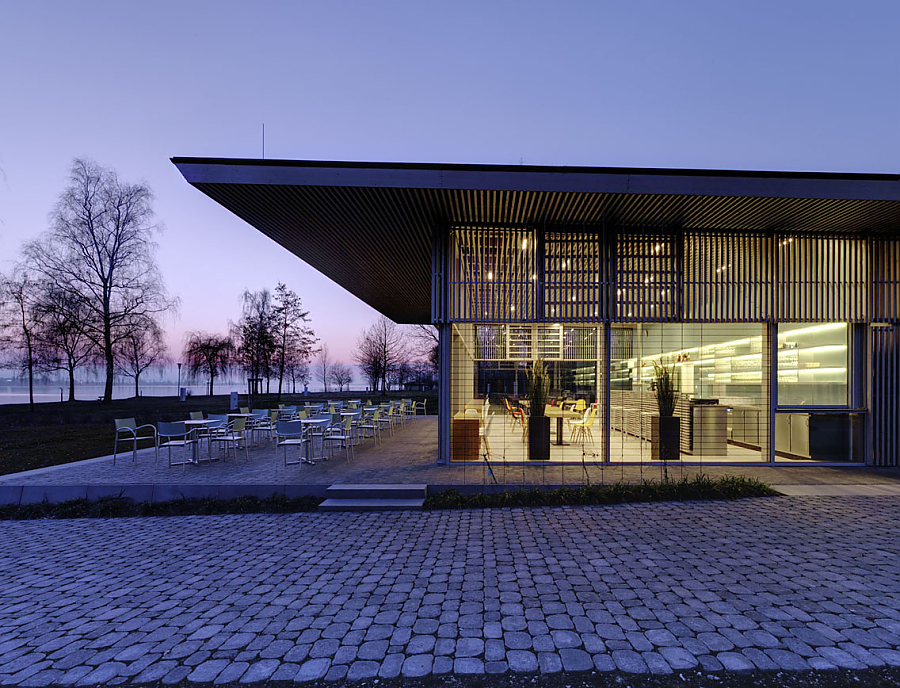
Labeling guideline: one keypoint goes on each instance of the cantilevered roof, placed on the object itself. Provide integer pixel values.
(368, 225)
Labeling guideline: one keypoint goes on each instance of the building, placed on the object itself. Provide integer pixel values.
(774, 297)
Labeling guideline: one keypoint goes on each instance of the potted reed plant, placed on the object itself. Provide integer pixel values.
(538, 421)
(666, 427)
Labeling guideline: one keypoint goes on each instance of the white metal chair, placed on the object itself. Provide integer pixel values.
(343, 434)
(370, 426)
(127, 430)
(234, 434)
(289, 433)
(175, 435)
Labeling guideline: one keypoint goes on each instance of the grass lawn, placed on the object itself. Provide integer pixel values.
(58, 433)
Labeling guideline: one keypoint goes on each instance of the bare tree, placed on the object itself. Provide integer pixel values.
(294, 341)
(297, 372)
(255, 335)
(20, 321)
(380, 350)
(100, 250)
(210, 354)
(341, 375)
(324, 366)
(139, 350)
(64, 345)
(425, 344)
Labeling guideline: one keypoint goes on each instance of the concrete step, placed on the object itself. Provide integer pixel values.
(370, 504)
(377, 491)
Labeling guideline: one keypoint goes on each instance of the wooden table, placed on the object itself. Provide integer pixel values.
(558, 413)
(465, 440)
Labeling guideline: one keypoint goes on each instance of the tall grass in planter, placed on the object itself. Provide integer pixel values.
(538, 422)
(667, 433)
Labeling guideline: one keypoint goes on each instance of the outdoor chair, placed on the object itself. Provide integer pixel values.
(127, 430)
(343, 434)
(419, 405)
(370, 425)
(234, 434)
(385, 418)
(289, 433)
(259, 424)
(175, 435)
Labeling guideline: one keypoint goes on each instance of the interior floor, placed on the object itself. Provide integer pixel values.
(505, 443)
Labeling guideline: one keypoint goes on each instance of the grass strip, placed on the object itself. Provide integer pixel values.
(111, 507)
(700, 487)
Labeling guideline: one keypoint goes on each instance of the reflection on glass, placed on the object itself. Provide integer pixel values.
(818, 436)
(812, 364)
(718, 372)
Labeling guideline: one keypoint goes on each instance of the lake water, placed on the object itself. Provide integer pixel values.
(18, 393)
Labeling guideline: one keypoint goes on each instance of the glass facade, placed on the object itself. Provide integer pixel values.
(605, 311)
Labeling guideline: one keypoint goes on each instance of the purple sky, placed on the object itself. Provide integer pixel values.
(755, 85)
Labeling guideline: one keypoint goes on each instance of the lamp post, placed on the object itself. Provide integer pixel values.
(178, 390)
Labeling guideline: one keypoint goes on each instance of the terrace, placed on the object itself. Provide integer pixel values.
(409, 457)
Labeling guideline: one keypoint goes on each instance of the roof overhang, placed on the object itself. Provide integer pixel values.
(369, 226)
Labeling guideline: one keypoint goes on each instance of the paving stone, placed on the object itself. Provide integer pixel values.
(469, 647)
(363, 669)
(840, 658)
(417, 665)
(629, 661)
(391, 666)
(207, 671)
(313, 669)
(890, 657)
(286, 671)
(656, 663)
(442, 665)
(177, 675)
(603, 662)
(522, 661)
(231, 673)
(337, 672)
(260, 670)
(678, 657)
(574, 659)
(373, 587)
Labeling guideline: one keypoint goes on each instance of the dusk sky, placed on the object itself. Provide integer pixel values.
(778, 85)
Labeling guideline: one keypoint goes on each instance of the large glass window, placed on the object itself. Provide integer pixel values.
(719, 374)
(812, 364)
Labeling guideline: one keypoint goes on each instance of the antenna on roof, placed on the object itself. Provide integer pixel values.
(264, 141)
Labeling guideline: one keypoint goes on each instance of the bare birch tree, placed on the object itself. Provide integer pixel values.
(100, 250)
(381, 349)
(64, 345)
(342, 376)
(294, 340)
(20, 321)
(324, 366)
(139, 350)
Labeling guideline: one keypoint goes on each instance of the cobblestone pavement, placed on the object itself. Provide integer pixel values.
(787, 583)
(408, 457)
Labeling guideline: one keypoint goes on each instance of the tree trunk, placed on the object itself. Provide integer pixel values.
(30, 378)
(71, 384)
(108, 354)
(211, 378)
(137, 392)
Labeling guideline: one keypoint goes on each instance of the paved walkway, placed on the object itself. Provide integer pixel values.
(409, 456)
(788, 583)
